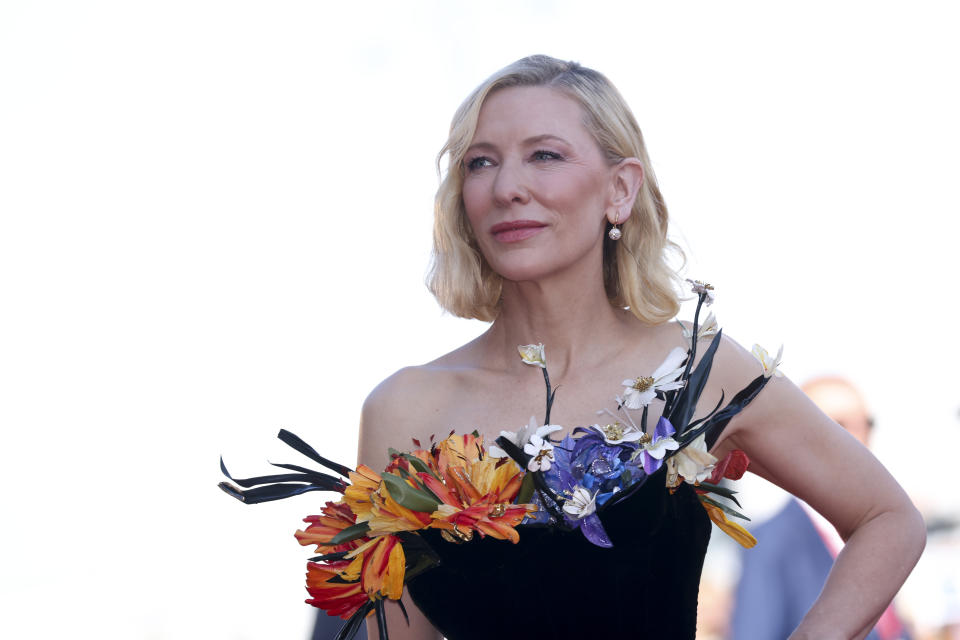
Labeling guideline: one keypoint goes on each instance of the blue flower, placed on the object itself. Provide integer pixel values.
(580, 511)
(654, 451)
(585, 473)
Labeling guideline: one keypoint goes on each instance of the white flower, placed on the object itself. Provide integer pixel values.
(639, 392)
(653, 450)
(769, 364)
(707, 329)
(659, 447)
(542, 452)
(522, 436)
(694, 462)
(616, 433)
(533, 354)
(702, 288)
(581, 504)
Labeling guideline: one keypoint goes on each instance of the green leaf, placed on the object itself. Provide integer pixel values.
(418, 464)
(726, 492)
(429, 492)
(725, 508)
(407, 496)
(414, 461)
(526, 489)
(421, 486)
(351, 533)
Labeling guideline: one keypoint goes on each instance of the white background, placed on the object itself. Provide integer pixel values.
(216, 221)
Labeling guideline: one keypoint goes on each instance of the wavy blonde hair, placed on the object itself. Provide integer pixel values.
(636, 271)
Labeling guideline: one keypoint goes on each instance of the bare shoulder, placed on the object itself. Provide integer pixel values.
(779, 405)
(733, 368)
(733, 365)
(411, 403)
(394, 409)
(401, 408)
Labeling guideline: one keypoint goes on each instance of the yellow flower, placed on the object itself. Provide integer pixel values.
(363, 482)
(732, 529)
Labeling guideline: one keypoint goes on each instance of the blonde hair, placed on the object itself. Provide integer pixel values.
(636, 272)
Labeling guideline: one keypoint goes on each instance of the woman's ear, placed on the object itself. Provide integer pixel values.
(626, 180)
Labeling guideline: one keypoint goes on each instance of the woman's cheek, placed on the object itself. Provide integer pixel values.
(474, 205)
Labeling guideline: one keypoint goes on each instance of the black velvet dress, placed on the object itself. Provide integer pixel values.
(556, 584)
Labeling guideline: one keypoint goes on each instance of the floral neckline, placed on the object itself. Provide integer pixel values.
(367, 541)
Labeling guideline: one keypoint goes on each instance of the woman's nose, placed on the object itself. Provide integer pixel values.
(509, 186)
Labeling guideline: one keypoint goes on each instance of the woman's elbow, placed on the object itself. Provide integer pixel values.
(907, 531)
(917, 529)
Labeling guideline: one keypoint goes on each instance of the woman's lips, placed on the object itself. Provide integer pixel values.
(516, 230)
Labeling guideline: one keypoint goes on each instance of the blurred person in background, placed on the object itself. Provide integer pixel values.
(784, 574)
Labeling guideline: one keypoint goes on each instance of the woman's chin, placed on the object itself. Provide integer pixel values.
(543, 265)
(525, 273)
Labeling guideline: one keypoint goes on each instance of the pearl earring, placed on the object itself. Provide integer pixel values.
(614, 233)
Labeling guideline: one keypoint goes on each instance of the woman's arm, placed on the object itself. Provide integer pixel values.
(387, 421)
(793, 444)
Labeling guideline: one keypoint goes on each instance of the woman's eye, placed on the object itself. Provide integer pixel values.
(478, 163)
(546, 155)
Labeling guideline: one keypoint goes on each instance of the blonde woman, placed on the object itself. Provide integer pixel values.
(550, 225)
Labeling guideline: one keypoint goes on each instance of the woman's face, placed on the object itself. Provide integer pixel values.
(536, 185)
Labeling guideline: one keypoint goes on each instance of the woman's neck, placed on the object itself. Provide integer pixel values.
(574, 321)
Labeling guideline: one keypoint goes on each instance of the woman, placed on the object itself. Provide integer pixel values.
(545, 159)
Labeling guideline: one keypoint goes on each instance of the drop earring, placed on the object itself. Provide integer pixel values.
(614, 233)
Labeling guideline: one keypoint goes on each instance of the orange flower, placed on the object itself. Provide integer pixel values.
(388, 516)
(336, 598)
(733, 466)
(458, 451)
(497, 520)
(380, 564)
(475, 494)
(373, 568)
(371, 501)
(336, 517)
(363, 482)
(475, 491)
(732, 529)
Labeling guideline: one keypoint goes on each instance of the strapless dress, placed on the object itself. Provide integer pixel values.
(556, 584)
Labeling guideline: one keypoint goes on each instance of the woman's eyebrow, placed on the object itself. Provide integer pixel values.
(532, 140)
(544, 137)
(484, 146)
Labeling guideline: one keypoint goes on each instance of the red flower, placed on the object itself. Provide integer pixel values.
(733, 467)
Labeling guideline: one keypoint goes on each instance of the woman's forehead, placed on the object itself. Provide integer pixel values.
(521, 113)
